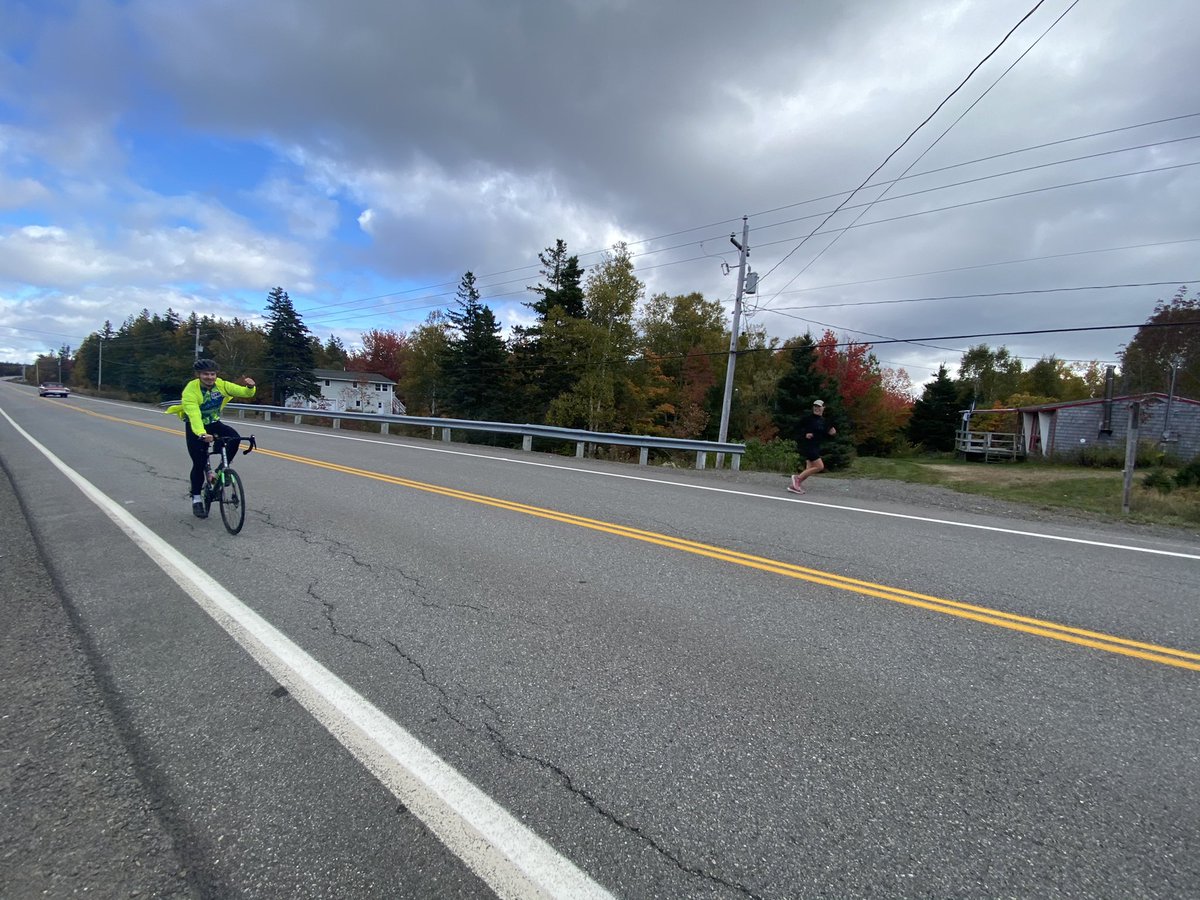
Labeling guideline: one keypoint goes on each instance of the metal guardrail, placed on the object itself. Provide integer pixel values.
(528, 432)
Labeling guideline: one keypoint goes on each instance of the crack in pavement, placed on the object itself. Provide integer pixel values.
(328, 608)
(506, 749)
(446, 700)
(497, 738)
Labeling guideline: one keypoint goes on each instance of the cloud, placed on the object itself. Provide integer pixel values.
(366, 148)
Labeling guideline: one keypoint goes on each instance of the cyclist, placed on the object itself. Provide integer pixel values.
(200, 409)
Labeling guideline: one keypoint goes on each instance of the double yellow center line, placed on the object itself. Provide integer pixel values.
(1040, 627)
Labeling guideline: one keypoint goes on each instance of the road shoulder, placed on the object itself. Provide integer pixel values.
(74, 817)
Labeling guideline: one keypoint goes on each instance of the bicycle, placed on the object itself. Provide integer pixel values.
(223, 486)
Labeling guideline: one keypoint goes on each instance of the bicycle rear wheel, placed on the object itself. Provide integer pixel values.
(233, 502)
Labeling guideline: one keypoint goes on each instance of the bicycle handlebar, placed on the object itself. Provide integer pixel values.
(214, 449)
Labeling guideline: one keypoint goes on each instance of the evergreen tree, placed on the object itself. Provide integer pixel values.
(542, 351)
(289, 350)
(333, 354)
(563, 288)
(936, 415)
(799, 386)
(476, 359)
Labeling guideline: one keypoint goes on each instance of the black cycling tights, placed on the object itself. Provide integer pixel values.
(198, 449)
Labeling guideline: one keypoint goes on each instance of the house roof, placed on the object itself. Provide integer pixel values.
(1149, 395)
(343, 375)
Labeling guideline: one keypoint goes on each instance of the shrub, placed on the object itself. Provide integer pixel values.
(1189, 475)
(772, 456)
(905, 450)
(1158, 479)
(1097, 457)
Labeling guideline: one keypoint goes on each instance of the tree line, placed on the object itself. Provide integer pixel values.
(602, 356)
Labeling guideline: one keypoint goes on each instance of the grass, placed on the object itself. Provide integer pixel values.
(1095, 492)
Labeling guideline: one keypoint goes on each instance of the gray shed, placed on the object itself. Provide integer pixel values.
(1063, 430)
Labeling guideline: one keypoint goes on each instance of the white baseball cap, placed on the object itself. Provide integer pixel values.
(818, 403)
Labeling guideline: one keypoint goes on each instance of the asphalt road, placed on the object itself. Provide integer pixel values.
(650, 683)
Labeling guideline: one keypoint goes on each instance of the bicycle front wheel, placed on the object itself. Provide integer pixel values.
(233, 502)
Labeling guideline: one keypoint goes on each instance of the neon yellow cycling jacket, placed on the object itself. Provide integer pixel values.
(200, 407)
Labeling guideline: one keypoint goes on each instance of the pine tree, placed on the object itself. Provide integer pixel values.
(289, 350)
(563, 288)
(935, 417)
(476, 358)
(543, 350)
(333, 354)
(800, 385)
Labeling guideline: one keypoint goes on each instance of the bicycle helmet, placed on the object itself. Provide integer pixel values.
(205, 365)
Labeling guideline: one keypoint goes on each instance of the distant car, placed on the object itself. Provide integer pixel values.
(53, 389)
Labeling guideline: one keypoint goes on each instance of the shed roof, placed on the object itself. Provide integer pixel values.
(1149, 395)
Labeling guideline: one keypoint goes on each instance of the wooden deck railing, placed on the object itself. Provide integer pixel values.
(989, 444)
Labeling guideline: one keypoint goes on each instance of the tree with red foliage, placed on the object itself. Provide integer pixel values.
(878, 403)
(382, 354)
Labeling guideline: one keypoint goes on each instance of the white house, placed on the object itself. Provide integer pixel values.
(363, 392)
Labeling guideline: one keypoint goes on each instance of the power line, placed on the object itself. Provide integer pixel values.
(1003, 262)
(1009, 196)
(841, 344)
(1028, 292)
(959, 165)
(936, 141)
(380, 310)
(324, 311)
(888, 158)
(865, 207)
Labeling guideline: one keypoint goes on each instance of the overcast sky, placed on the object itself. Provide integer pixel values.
(363, 154)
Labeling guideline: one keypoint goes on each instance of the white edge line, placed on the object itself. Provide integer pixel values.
(509, 857)
(720, 490)
(704, 487)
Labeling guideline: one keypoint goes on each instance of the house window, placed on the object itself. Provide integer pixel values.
(326, 382)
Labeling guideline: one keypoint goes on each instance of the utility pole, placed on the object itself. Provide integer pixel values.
(744, 247)
(1131, 445)
(197, 340)
(100, 366)
(1176, 362)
